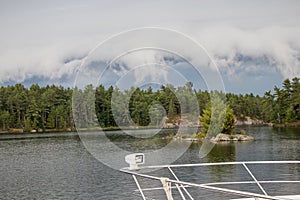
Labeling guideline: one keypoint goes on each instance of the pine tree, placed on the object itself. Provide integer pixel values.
(217, 118)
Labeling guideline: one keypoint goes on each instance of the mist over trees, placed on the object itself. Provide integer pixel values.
(50, 107)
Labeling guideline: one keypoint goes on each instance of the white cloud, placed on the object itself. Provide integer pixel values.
(230, 47)
(49, 40)
(52, 61)
(267, 47)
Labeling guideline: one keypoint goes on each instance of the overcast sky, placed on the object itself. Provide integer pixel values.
(255, 44)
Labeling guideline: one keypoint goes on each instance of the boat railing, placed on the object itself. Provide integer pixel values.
(182, 186)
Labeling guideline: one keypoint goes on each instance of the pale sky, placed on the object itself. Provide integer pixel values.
(256, 44)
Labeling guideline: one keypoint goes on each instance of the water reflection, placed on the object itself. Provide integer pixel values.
(222, 152)
(145, 144)
(287, 133)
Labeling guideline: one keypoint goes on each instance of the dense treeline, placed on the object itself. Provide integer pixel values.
(35, 107)
(40, 108)
(283, 105)
(134, 104)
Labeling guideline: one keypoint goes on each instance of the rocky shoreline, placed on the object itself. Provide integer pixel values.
(221, 137)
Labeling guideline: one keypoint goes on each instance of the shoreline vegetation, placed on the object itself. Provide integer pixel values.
(20, 131)
(50, 109)
(238, 123)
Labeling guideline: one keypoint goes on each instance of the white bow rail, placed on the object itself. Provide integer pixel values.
(182, 186)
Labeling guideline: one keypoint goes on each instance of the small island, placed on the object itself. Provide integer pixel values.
(221, 137)
(217, 124)
(221, 117)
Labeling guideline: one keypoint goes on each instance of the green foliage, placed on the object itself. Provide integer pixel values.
(245, 105)
(35, 108)
(4, 118)
(50, 107)
(229, 121)
(284, 104)
(27, 128)
(217, 117)
(205, 119)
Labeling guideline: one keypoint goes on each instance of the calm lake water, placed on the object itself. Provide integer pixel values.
(57, 166)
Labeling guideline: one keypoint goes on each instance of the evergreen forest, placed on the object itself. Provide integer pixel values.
(50, 107)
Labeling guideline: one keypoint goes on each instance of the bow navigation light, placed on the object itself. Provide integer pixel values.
(134, 160)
